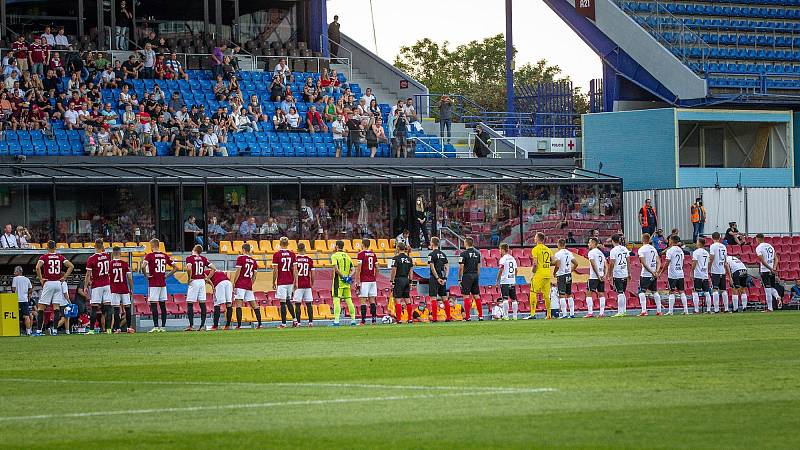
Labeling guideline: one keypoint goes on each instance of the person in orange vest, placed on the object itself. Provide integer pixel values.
(698, 218)
(647, 217)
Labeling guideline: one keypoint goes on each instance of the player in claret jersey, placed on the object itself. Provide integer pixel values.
(437, 283)
(50, 271)
(97, 276)
(155, 266)
(366, 280)
(401, 283)
(303, 282)
(121, 286)
(222, 288)
(196, 265)
(283, 276)
(469, 269)
(243, 278)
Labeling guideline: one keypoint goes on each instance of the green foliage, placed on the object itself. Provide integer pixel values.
(476, 70)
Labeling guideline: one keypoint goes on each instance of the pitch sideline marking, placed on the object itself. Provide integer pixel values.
(520, 390)
(266, 405)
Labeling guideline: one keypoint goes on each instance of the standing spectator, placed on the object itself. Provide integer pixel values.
(354, 127)
(324, 219)
(445, 116)
(314, 121)
(23, 287)
(148, 61)
(131, 67)
(217, 58)
(337, 128)
(400, 130)
(659, 241)
(334, 37)
(647, 217)
(482, 148)
(368, 96)
(123, 23)
(276, 89)
(8, 239)
(698, 218)
(375, 135)
(48, 38)
(282, 71)
(20, 49)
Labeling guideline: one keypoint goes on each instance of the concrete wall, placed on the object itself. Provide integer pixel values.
(639, 146)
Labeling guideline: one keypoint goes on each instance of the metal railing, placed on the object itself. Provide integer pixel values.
(289, 59)
(463, 106)
(501, 147)
(448, 236)
(348, 61)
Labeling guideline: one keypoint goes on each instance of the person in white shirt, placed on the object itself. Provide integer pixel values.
(337, 127)
(648, 281)
(403, 238)
(48, 38)
(597, 278)
(210, 143)
(618, 266)
(716, 264)
(22, 286)
(293, 118)
(564, 266)
(675, 274)
(768, 267)
(507, 279)
(8, 239)
(700, 259)
(368, 97)
(739, 278)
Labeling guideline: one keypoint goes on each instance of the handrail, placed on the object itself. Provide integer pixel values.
(289, 60)
(349, 60)
(463, 105)
(426, 144)
(458, 237)
(511, 142)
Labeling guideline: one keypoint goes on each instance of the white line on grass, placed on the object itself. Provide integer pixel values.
(284, 384)
(268, 405)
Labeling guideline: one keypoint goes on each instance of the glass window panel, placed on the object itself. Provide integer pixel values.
(283, 206)
(115, 214)
(486, 212)
(230, 206)
(345, 211)
(12, 209)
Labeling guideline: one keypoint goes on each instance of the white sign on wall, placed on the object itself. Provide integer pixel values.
(557, 145)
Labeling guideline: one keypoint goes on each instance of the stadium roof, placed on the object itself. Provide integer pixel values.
(290, 170)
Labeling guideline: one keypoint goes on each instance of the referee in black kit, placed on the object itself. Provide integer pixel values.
(469, 269)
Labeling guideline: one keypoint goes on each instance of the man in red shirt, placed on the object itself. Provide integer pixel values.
(314, 121)
(97, 276)
(38, 56)
(303, 282)
(246, 267)
(121, 286)
(283, 276)
(155, 266)
(196, 265)
(366, 280)
(50, 271)
(222, 288)
(20, 49)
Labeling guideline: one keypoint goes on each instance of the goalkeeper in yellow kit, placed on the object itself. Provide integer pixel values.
(540, 284)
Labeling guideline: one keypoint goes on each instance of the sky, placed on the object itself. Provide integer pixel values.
(538, 32)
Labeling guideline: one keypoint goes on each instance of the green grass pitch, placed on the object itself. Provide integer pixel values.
(723, 381)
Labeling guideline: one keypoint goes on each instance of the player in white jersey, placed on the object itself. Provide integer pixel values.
(768, 268)
(507, 279)
(739, 280)
(716, 265)
(648, 281)
(618, 266)
(564, 265)
(700, 259)
(675, 276)
(597, 279)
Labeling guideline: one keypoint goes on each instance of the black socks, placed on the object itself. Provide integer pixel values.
(203, 314)
(216, 315)
(363, 313)
(283, 313)
(190, 314)
(228, 314)
(373, 311)
(310, 310)
(258, 315)
(238, 316)
(154, 312)
(163, 313)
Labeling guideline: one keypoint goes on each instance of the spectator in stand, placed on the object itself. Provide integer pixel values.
(375, 135)
(38, 56)
(56, 64)
(410, 111)
(109, 116)
(23, 237)
(334, 38)
(270, 229)
(331, 84)
(210, 143)
(20, 49)
(11, 70)
(131, 67)
(131, 143)
(216, 231)
(374, 109)
(72, 118)
(108, 79)
(175, 68)
(104, 145)
(228, 70)
(295, 123)
(647, 217)
(282, 71)
(280, 121)
(148, 56)
(160, 69)
(354, 128)
(659, 241)
(483, 141)
(190, 227)
(151, 39)
(182, 145)
(240, 121)
(732, 235)
(445, 116)
(248, 228)
(287, 104)
(337, 128)
(329, 110)
(276, 89)
(314, 121)
(61, 40)
(8, 239)
(216, 60)
(123, 23)
(47, 37)
(310, 92)
(255, 111)
(400, 130)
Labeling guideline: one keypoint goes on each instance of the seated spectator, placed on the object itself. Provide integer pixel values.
(109, 116)
(47, 37)
(211, 145)
(332, 84)
(160, 69)
(175, 103)
(795, 291)
(732, 235)
(108, 79)
(295, 123)
(240, 121)
(270, 229)
(409, 109)
(276, 89)
(182, 144)
(659, 241)
(248, 228)
(220, 89)
(280, 121)
(89, 141)
(287, 104)
(368, 97)
(104, 144)
(124, 95)
(61, 40)
(255, 111)
(310, 92)
(175, 68)
(131, 67)
(8, 239)
(314, 121)
(73, 119)
(23, 237)
(190, 227)
(228, 71)
(56, 64)
(374, 109)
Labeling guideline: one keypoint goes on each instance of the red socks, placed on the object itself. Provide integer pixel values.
(410, 311)
(479, 307)
(467, 308)
(434, 310)
(447, 309)
(398, 312)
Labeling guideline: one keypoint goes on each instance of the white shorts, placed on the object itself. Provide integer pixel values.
(100, 295)
(302, 295)
(196, 292)
(284, 292)
(245, 294)
(368, 289)
(223, 293)
(157, 294)
(51, 293)
(123, 299)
